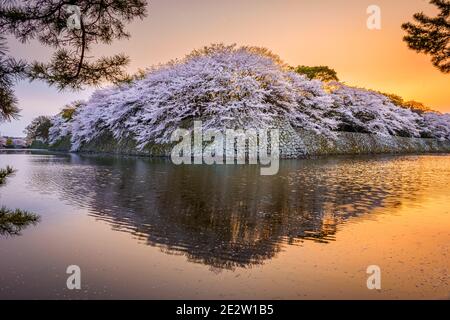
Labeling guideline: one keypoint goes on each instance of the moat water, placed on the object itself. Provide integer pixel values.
(142, 228)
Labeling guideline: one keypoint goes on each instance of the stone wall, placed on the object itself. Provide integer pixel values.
(303, 144)
(293, 144)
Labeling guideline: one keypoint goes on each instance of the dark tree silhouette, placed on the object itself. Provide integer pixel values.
(38, 129)
(10, 70)
(12, 222)
(432, 35)
(55, 23)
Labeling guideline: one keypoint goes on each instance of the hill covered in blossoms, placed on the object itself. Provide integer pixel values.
(229, 87)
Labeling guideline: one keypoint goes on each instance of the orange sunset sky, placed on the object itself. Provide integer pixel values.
(309, 32)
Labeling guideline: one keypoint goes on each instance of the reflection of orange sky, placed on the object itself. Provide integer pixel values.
(309, 32)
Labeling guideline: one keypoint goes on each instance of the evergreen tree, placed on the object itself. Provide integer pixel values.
(322, 73)
(12, 222)
(70, 27)
(432, 35)
(10, 70)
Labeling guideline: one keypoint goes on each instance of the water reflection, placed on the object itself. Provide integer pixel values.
(230, 216)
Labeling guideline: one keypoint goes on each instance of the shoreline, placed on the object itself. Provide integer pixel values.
(294, 144)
